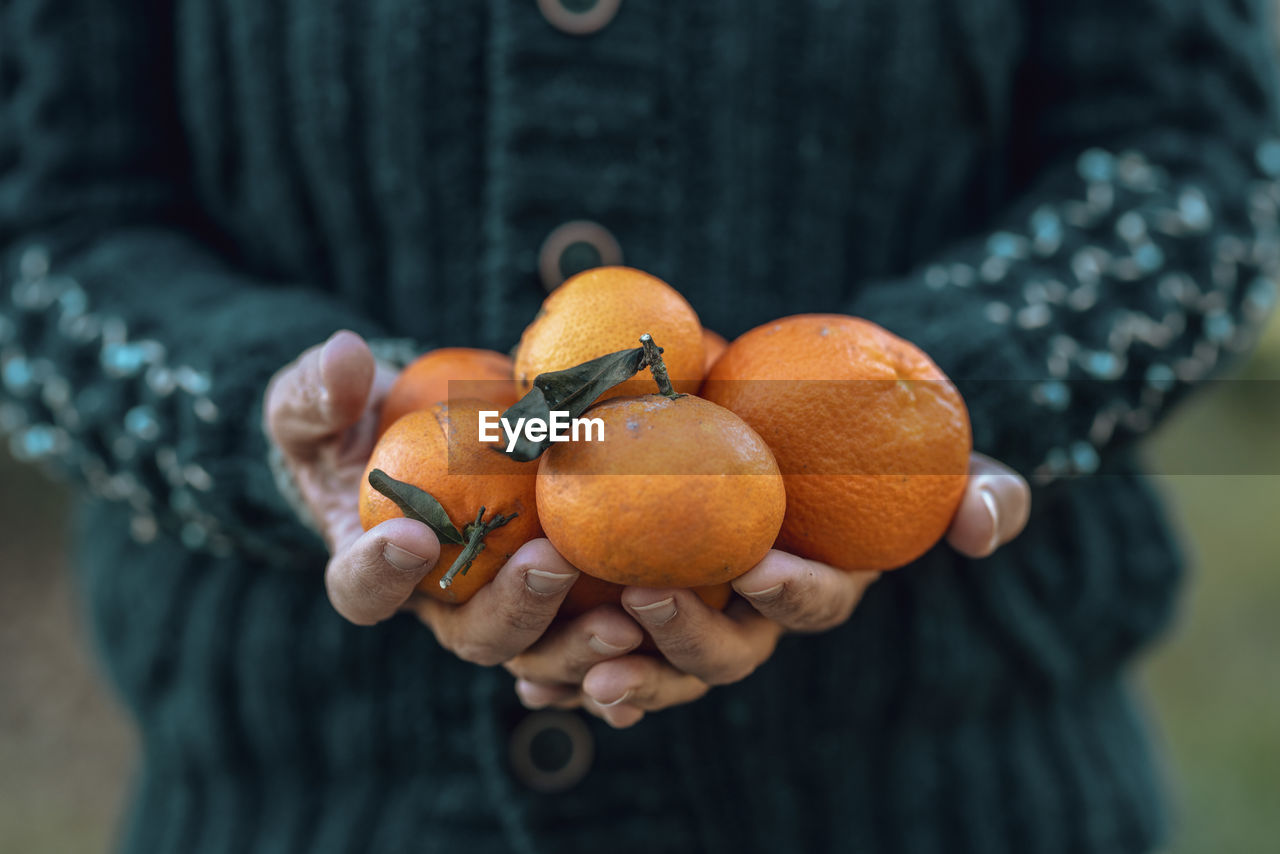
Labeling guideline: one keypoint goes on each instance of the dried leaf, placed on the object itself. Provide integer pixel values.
(571, 390)
(417, 504)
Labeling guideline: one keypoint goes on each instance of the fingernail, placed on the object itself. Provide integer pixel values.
(604, 647)
(768, 594)
(989, 499)
(402, 559)
(612, 703)
(658, 613)
(546, 583)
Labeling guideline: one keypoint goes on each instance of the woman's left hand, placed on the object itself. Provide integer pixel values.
(585, 662)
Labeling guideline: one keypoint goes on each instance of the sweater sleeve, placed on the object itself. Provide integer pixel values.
(1143, 254)
(134, 355)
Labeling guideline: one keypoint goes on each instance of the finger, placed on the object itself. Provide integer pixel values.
(568, 650)
(508, 614)
(536, 695)
(616, 690)
(713, 646)
(322, 393)
(994, 509)
(370, 579)
(802, 595)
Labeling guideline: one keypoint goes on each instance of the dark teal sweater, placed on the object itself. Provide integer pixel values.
(1071, 206)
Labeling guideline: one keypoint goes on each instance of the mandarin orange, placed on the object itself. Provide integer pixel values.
(607, 309)
(872, 438)
(439, 450)
(679, 493)
(448, 372)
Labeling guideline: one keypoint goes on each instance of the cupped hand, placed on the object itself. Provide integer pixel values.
(321, 411)
(702, 647)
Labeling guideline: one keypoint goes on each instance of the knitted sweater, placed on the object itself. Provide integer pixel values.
(1071, 206)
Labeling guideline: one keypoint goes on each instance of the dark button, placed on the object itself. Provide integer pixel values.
(574, 247)
(579, 17)
(551, 751)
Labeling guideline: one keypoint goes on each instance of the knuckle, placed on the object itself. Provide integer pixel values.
(523, 621)
(353, 596)
(786, 607)
(685, 646)
(570, 666)
(311, 400)
(374, 587)
(790, 610)
(815, 613)
(281, 391)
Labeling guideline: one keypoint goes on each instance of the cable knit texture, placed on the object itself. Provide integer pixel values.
(1071, 206)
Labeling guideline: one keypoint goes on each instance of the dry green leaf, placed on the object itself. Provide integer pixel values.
(417, 504)
(571, 390)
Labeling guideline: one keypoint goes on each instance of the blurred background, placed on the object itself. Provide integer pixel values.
(66, 747)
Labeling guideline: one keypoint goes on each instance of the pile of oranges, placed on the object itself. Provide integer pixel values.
(822, 435)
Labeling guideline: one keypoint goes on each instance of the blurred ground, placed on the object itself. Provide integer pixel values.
(65, 748)
(1214, 683)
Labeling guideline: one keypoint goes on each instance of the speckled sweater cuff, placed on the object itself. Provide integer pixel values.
(1125, 278)
(150, 394)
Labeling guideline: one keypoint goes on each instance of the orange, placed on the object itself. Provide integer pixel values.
(439, 450)
(872, 438)
(679, 493)
(467, 371)
(588, 592)
(713, 344)
(607, 309)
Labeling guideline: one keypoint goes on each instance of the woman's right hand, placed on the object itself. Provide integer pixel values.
(321, 412)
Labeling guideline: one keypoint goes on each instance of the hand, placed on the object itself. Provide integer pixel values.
(703, 647)
(321, 411)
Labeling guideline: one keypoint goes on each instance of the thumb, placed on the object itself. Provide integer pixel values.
(994, 509)
(323, 392)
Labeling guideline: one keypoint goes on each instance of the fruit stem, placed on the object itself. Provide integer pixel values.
(475, 534)
(653, 358)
